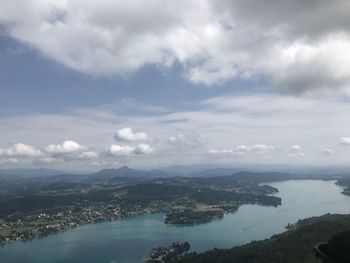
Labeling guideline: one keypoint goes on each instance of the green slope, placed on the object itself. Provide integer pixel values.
(293, 246)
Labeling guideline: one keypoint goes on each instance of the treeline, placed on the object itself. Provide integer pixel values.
(244, 178)
(193, 217)
(215, 196)
(345, 182)
(154, 192)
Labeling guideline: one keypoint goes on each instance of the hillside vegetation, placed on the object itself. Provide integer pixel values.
(292, 246)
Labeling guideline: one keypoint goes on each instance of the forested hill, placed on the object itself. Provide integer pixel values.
(292, 246)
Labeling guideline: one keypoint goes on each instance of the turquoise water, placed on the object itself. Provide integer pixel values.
(129, 240)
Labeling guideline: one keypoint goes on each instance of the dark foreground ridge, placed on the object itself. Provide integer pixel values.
(168, 254)
(293, 246)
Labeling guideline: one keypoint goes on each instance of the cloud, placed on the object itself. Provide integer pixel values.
(296, 155)
(181, 140)
(345, 140)
(20, 150)
(296, 152)
(88, 155)
(143, 149)
(9, 161)
(262, 148)
(70, 150)
(225, 151)
(65, 147)
(242, 149)
(328, 151)
(296, 47)
(296, 148)
(104, 38)
(237, 123)
(46, 160)
(124, 150)
(119, 150)
(128, 135)
(22, 154)
(174, 140)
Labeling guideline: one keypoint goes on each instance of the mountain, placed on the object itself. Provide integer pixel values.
(123, 171)
(28, 173)
(126, 174)
(157, 173)
(206, 170)
(214, 170)
(188, 170)
(263, 176)
(217, 172)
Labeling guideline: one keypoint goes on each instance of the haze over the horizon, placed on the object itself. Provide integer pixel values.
(97, 84)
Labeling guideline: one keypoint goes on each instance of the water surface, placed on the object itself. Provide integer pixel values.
(129, 240)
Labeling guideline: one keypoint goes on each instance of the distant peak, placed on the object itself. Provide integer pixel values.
(121, 168)
(124, 167)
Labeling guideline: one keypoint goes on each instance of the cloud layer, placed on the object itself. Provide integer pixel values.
(20, 150)
(296, 46)
(260, 128)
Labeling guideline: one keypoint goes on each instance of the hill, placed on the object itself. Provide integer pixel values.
(28, 173)
(292, 246)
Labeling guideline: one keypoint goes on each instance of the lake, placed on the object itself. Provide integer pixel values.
(129, 240)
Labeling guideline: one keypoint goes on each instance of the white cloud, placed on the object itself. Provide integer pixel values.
(242, 149)
(124, 150)
(23, 154)
(66, 147)
(296, 47)
(128, 135)
(296, 148)
(262, 148)
(345, 140)
(143, 149)
(119, 150)
(69, 150)
(185, 141)
(20, 150)
(104, 37)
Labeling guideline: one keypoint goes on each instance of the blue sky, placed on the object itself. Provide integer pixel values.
(86, 85)
(38, 84)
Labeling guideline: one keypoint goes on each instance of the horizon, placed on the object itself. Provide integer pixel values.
(198, 168)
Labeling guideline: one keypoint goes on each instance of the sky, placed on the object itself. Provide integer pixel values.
(86, 85)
